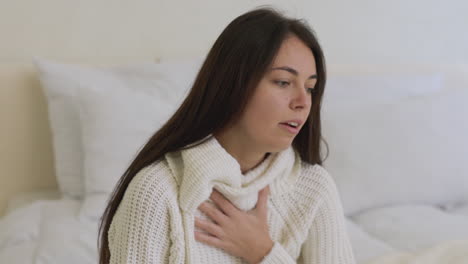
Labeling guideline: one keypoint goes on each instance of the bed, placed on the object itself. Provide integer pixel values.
(46, 230)
(408, 204)
(396, 133)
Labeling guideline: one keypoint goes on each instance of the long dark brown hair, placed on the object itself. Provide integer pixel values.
(226, 80)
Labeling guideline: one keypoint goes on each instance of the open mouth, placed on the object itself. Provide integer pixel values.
(290, 127)
(291, 124)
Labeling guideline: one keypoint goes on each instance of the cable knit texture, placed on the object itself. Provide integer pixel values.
(154, 223)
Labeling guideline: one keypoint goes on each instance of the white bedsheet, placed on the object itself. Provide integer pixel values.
(414, 226)
(48, 232)
(52, 231)
(447, 252)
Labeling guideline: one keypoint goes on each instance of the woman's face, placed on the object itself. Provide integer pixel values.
(284, 94)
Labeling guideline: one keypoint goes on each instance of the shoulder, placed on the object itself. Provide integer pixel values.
(151, 192)
(314, 184)
(322, 187)
(143, 216)
(316, 174)
(154, 182)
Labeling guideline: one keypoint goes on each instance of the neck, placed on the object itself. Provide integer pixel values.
(208, 165)
(244, 152)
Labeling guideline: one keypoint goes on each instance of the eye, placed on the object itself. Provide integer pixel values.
(285, 83)
(282, 83)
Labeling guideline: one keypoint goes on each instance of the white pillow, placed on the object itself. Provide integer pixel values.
(413, 150)
(116, 121)
(347, 91)
(60, 82)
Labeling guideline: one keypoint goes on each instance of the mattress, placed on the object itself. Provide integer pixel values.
(48, 231)
(52, 231)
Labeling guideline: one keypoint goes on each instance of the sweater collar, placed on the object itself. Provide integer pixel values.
(201, 168)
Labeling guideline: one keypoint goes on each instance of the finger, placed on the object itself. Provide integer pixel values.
(209, 227)
(212, 212)
(208, 239)
(224, 204)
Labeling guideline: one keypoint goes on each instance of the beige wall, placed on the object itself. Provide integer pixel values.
(25, 155)
(119, 31)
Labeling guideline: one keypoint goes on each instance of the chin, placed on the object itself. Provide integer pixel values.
(279, 146)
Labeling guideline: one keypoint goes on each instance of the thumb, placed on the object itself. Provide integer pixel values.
(261, 207)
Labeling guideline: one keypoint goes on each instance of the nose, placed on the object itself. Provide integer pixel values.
(301, 99)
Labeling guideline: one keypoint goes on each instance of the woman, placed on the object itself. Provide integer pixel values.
(235, 175)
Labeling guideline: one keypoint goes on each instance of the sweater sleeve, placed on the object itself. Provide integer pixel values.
(327, 241)
(278, 255)
(140, 231)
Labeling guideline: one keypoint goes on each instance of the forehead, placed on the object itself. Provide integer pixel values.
(295, 54)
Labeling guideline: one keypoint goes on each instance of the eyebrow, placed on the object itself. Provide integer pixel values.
(293, 71)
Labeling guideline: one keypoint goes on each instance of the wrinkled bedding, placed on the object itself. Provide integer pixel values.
(447, 252)
(54, 231)
(48, 232)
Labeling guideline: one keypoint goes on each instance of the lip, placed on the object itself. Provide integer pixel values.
(298, 121)
(293, 130)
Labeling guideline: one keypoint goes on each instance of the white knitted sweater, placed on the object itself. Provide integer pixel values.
(154, 223)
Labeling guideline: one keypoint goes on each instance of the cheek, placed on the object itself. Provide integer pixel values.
(266, 111)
